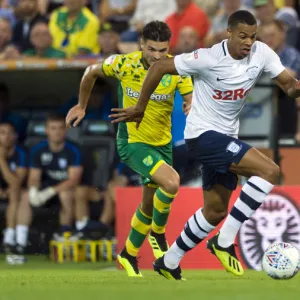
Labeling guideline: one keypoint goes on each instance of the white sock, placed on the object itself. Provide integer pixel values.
(195, 230)
(252, 196)
(22, 235)
(81, 224)
(9, 236)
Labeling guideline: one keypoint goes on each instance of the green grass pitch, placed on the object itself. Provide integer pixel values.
(43, 280)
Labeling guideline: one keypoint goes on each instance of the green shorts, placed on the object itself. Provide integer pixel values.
(144, 159)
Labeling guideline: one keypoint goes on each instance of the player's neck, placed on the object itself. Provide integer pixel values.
(56, 147)
(145, 64)
(40, 52)
(231, 51)
(73, 13)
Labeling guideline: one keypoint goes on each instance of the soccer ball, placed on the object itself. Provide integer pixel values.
(281, 261)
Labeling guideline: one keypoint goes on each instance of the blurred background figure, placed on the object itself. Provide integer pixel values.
(274, 35)
(289, 17)
(54, 172)
(188, 40)
(41, 41)
(108, 40)
(5, 34)
(94, 211)
(7, 50)
(74, 29)
(210, 7)
(28, 13)
(7, 11)
(218, 31)
(187, 14)
(117, 12)
(8, 115)
(147, 11)
(264, 11)
(12, 174)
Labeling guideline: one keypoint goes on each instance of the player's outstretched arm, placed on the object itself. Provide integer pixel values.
(152, 79)
(77, 112)
(289, 84)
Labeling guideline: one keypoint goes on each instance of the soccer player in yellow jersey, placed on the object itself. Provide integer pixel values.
(147, 149)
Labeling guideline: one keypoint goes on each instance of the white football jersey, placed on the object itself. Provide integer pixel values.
(221, 85)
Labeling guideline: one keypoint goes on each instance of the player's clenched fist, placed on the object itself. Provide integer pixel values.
(76, 113)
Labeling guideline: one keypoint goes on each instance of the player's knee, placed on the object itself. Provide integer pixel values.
(67, 195)
(172, 183)
(272, 173)
(214, 215)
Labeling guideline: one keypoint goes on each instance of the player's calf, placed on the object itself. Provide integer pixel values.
(195, 231)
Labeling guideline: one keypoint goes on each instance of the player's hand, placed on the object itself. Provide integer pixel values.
(186, 107)
(76, 113)
(46, 194)
(34, 200)
(297, 85)
(129, 114)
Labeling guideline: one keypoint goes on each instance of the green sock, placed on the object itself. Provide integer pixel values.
(161, 210)
(140, 226)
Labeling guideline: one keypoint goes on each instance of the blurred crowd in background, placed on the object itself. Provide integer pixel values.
(74, 29)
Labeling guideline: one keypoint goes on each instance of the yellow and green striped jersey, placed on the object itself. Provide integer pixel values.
(155, 129)
(71, 36)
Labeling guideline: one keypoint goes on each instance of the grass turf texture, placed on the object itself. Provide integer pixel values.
(41, 279)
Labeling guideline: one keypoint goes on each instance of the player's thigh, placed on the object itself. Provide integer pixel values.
(216, 150)
(94, 195)
(254, 163)
(147, 161)
(66, 199)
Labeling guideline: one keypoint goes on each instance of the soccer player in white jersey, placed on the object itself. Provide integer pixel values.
(223, 76)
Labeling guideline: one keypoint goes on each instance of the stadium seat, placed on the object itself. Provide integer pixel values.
(98, 146)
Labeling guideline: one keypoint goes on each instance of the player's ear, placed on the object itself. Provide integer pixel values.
(229, 33)
(142, 43)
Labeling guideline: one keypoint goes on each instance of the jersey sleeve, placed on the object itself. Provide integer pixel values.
(194, 63)
(273, 65)
(22, 159)
(75, 156)
(185, 85)
(35, 158)
(114, 66)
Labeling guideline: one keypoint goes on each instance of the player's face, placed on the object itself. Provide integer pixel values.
(241, 39)
(56, 131)
(154, 51)
(7, 136)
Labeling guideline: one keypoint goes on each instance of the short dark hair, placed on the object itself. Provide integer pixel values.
(56, 117)
(157, 31)
(241, 17)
